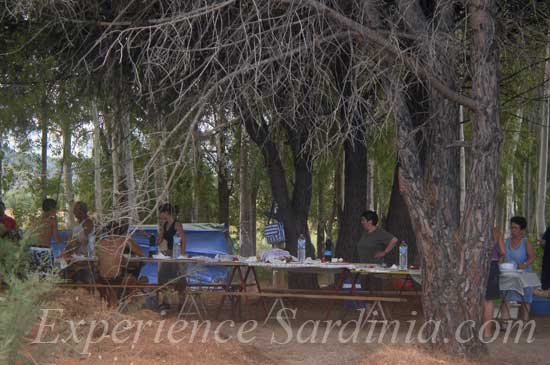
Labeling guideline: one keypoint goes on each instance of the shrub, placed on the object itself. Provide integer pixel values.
(22, 297)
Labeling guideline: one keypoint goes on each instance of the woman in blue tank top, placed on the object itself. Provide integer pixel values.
(521, 252)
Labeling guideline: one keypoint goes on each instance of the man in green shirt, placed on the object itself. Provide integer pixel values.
(375, 243)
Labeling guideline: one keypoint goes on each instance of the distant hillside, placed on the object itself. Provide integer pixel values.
(12, 157)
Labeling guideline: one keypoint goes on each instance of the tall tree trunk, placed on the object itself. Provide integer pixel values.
(355, 198)
(336, 200)
(196, 178)
(118, 186)
(455, 253)
(379, 190)
(292, 211)
(462, 185)
(127, 165)
(248, 247)
(44, 157)
(510, 206)
(370, 185)
(526, 198)
(68, 176)
(543, 154)
(223, 175)
(355, 160)
(98, 188)
(159, 140)
(500, 215)
(254, 211)
(320, 212)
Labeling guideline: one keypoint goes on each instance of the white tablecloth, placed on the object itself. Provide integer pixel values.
(518, 281)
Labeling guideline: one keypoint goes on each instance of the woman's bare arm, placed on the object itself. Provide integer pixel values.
(181, 233)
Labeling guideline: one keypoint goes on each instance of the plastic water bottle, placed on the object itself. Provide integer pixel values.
(403, 255)
(176, 248)
(301, 248)
(90, 247)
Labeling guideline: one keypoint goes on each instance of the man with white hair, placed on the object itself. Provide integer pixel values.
(83, 237)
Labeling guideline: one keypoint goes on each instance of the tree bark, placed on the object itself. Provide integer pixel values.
(196, 179)
(320, 213)
(119, 185)
(44, 157)
(98, 188)
(526, 197)
(159, 140)
(370, 185)
(355, 160)
(248, 247)
(510, 200)
(543, 154)
(254, 212)
(336, 200)
(223, 175)
(456, 252)
(293, 211)
(462, 163)
(355, 198)
(127, 164)
(68, 176)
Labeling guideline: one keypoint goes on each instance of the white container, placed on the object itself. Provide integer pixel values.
(507, 266)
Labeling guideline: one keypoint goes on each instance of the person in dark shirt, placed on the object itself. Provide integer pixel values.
(375, 243)
(545, 273)
(171, 272)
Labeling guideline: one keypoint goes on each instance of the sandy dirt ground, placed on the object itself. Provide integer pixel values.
(267, 342)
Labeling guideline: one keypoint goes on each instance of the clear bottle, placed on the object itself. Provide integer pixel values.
(176, 248)
(301, 248)
(403, 255)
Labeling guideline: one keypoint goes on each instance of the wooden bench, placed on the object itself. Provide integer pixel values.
(377, 305)
(376, 293)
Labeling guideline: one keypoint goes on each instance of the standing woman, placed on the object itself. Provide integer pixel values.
(169, 228)
(521, 252)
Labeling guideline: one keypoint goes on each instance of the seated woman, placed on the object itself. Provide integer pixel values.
(169, 229)
(519, 251)
(113, 265)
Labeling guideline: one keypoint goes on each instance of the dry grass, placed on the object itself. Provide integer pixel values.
(79, 304)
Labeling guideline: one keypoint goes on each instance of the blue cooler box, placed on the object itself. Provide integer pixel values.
(540, 306)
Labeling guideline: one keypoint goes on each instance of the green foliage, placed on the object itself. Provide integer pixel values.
(21, 301)
(14, 257)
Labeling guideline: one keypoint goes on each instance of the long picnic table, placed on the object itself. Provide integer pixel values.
(345, 270)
